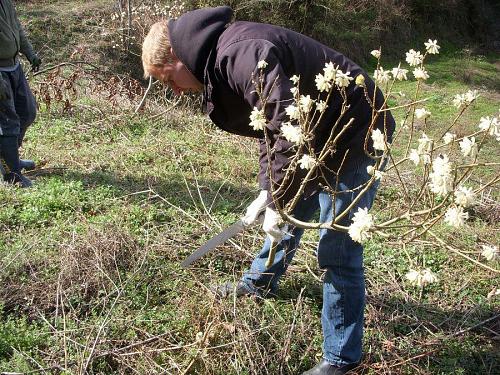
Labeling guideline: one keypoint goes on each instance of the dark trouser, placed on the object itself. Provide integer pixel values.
(17, 113)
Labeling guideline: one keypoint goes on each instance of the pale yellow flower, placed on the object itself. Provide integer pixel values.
(490, 124)
(374, 172)
(399, 74)
(489, 252)
(321, 106)
(421, 278)
(378, 139)
(292, 112)
(382, 76)
(471, 95)
(441, 178)
(420, 73)
(257, 119)
(376, 53)
(362, 223)
(459, 100)
(449, 137)
(424, 144)
(306, 103)
(322, 83)
(295, 79)
(432, 47)
(262, 64)
(343, 79)
(465, 196)
(455, 216)
(292, 133)
(468, 147)
(360, 80)
(422, 113)
(414, 58)
(306, 162)
(330, 71)
(414, 156)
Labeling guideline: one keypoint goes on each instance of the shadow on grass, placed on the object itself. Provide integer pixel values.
(403, 337)
(173, 189)
(445, 341)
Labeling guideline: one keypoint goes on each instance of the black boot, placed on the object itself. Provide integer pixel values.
(17, 179)
(26, 164)
(325, 368)
(9, 157)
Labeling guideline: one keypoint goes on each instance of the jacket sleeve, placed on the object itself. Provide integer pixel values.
(238, 65)
(25, 46)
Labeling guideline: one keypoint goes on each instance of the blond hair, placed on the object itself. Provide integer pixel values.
(156, 48)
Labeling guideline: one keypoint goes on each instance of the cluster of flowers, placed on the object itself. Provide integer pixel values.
(151, 9)
(414, 58)
(441, 177)
(421, 278)
(489, 252)
(299, 112)
(441, 181)
(362, 224)
(143, 14)
(332, 76)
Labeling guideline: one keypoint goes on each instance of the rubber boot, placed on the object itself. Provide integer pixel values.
(26, 164)
(9, 154)
(325, 368)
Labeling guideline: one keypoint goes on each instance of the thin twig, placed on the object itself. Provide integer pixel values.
(141, 104)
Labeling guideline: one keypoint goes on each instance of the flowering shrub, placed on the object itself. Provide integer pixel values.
(129, 24)
(443, 166)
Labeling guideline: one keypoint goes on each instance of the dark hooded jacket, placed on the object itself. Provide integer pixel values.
(224, 57)
(12, 37)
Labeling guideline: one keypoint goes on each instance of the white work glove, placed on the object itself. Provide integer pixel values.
(273, 226)
(255, 209)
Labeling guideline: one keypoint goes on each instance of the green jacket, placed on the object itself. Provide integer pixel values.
(12, 37)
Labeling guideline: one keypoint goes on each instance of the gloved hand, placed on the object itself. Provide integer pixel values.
(273, 226)
(255, 208)
(35, 63)
(4, 89)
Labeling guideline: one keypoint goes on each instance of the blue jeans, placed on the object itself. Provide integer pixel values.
(342, 258)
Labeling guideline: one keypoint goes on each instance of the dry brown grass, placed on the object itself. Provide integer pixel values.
(82, 268)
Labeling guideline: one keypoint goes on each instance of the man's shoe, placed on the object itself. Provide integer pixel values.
(325, 368)
(18, 179)
(230, 289)
(26, 164)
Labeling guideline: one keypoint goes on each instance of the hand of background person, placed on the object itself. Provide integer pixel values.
(35, 63)
(4, 89)
(273, 226)
(255, 209)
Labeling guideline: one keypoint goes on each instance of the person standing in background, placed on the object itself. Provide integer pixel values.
(17, 103)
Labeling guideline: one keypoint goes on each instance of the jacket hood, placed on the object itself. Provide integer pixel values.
(195, 33)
